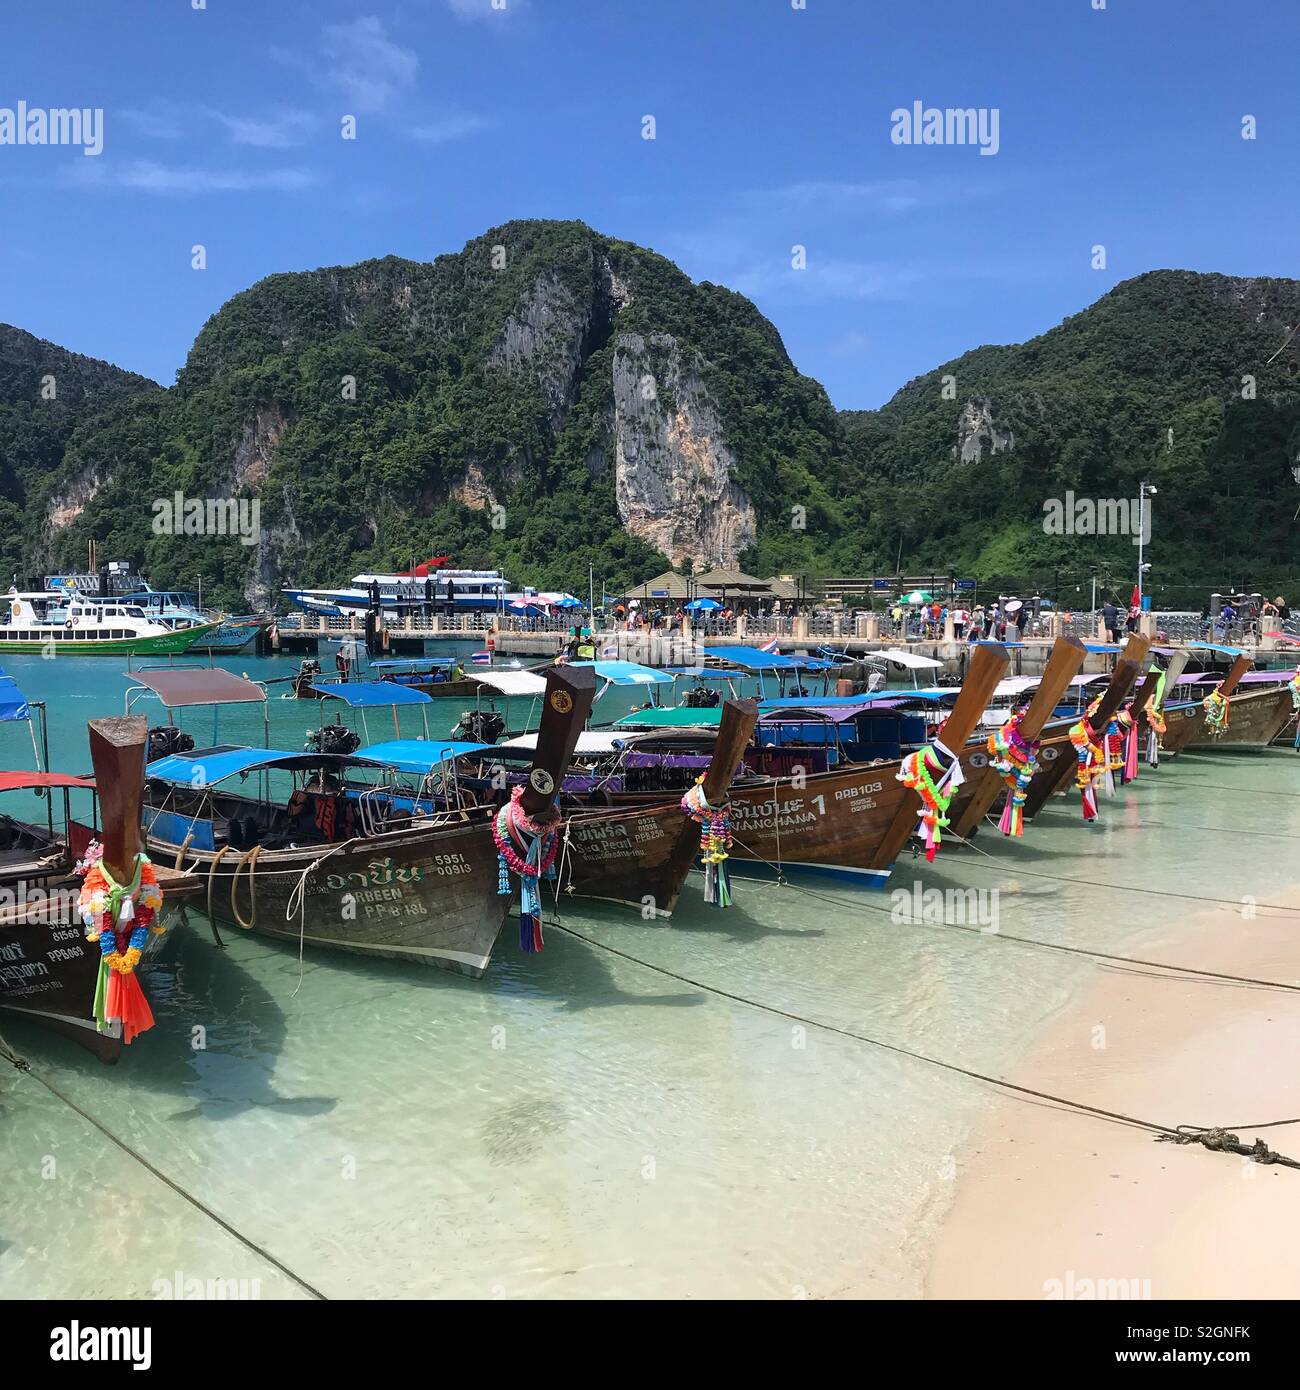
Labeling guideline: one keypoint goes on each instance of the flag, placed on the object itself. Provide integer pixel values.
(1135, 598)
(481, 659)
(770, 646)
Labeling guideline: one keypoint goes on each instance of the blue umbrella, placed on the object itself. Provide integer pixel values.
(567, 601)
(704, 604)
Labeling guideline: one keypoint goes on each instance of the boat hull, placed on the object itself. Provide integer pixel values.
(48, 974)
(161, 644)
(411, 895)
(229, 637)
(1254, 721)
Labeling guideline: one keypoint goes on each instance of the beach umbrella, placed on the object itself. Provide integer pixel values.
(1013, 607)
(917, 596)
(519, 606)
(704, 605)
(566, 601)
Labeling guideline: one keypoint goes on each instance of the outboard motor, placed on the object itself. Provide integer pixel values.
(481, 725)
(331, 738)
(165, 740)
(701, 696)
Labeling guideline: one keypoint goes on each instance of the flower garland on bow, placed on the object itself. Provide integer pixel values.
(1091, 761)
(1216, 705)
(1121, 750)
(934, 774)
(119, 917)
(1154, 714)
(715, 842)
(1293, 685)
(528, 848)
(1015, 759)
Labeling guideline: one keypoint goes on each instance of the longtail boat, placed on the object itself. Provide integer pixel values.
(1057, 762)
(1257, 712)
(49, 970)
(641, 855)
(349, 859)
(1185, 730)
(986, 784)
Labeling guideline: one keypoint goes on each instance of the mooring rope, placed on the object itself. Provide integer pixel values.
(1182, 1134)
(259, 1250)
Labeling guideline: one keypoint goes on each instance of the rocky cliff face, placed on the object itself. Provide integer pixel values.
(674, 473)
(977, 431)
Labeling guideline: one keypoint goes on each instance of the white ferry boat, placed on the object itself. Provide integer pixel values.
(35, 622)
(451, 590)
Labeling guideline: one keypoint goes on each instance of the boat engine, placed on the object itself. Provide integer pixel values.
(331, 738)
(701, 697)
(165, 740)
(481, 725)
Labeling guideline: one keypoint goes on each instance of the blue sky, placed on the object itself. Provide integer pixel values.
(1119, 127)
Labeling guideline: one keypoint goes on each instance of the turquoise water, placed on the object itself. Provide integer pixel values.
(642, 1110)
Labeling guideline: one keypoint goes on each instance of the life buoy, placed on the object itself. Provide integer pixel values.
(72, 622)
(15, 610)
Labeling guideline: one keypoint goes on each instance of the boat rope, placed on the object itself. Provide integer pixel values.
(1181, 1134)
(184, 845)
(212, 874)
(298, 903)
(1056, 945)
(259, 1250)
(250, 858)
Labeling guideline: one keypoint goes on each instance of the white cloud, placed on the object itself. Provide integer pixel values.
(277, 131)
(483, 9)
(452, 127)
(366, 65)
(161, 121)
(146, 176)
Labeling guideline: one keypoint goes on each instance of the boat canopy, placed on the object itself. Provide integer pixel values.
(413, 663)
(371, 694)
(17, 781)
(589, 741)
(512, 682)
(1014, 685)
(754, 659)
(13, 703)
(1250, 678)
(672, 717)
(1099, 647)
(421, 755)
(207, 766)
(180, 688)
(626, 672)
(1213, 647)
(912, 660)
(812, 714)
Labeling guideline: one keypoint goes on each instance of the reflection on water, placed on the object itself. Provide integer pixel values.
(580, 1123)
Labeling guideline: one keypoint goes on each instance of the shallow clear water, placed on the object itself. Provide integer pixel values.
(615, 1117)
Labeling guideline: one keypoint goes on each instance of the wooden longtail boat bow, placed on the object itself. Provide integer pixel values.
(734, 732)
(1054, 774)
(1068, 654)
(986, 670)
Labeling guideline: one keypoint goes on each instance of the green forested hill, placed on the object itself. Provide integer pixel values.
(548, 397)
(1167, 378)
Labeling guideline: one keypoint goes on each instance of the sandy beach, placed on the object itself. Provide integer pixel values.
(1047, 1199)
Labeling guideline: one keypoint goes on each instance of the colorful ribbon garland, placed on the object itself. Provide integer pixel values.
(918, 771)
(119, 916)
(1015, 760)
(1091, 762)
(1216, 706)
(528, 847)
(715, 842)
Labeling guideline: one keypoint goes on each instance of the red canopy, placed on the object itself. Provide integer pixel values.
(14, 781)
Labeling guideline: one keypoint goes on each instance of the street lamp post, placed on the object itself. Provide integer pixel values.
(1145, 490)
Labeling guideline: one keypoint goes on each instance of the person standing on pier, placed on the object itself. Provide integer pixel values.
(1110, 616)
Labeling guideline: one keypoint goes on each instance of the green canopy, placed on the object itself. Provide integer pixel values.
(917, 596)
(671, 717)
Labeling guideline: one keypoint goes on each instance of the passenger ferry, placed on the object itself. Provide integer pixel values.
(179, 609)
(457, 590)
(88, 627)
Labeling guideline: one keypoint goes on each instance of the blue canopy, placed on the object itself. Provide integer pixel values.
(626, 672)
(421, 756)
(13, 703)
(704, 604)
(752, 659)
(210, 765)
(369, 694)
(1214, 647)
(1101, 646)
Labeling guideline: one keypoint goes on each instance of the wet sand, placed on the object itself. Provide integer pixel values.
(1045, 1194)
